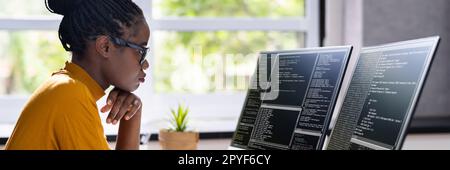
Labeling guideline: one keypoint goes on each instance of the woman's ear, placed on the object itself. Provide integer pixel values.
(102, 46)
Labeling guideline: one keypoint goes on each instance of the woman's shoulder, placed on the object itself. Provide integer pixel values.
(63, 86)
(60, 95)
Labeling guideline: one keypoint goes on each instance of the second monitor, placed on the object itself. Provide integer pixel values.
(382, 95)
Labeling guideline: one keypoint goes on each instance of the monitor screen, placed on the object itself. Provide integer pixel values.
(291, 99)
(382, 94)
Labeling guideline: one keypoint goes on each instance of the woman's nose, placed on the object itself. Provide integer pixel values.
(145, 65)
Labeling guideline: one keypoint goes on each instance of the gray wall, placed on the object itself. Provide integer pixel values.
(396, 20)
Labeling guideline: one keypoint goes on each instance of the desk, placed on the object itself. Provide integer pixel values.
(427, 142)
(412, 142)
(206, 144)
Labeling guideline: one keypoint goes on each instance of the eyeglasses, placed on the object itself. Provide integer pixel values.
(142, 50)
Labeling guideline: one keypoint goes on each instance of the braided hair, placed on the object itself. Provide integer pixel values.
(84, 19)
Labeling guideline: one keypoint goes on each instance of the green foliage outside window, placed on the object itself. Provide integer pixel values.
(187, 61)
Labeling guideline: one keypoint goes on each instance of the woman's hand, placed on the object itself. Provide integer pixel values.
(128, 106)
(122, 104)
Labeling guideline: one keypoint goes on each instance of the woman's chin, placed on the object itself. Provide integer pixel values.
(136, 87)
(130, 88)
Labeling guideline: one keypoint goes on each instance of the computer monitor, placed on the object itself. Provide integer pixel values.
(382, 95)
(293, 109)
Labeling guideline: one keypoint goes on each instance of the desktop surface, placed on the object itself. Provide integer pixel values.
(432, 141)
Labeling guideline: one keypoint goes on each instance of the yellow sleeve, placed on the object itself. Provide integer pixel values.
(79, 127)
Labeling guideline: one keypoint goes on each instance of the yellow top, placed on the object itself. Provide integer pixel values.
(62, 114)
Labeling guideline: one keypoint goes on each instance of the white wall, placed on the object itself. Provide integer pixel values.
(371, 22)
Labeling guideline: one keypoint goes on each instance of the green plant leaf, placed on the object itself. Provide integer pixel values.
(183, 116)
(179, 118)
(184, 125)
(180, 114)
(173, 113)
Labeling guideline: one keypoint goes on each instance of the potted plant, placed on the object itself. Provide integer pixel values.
(178, 137)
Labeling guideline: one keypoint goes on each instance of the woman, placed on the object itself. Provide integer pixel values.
(107, 39)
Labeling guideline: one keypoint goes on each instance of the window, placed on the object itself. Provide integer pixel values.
(27, 58)
(220, 61)
(203, 53)
(192, 37)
